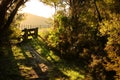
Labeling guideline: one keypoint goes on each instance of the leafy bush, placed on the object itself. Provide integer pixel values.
(111, 28)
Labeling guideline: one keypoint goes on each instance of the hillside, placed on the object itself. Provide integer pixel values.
(31, 19)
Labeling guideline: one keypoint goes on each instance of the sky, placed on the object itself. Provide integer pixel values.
(37, 8)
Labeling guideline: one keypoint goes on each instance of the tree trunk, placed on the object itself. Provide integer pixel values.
(98, 12)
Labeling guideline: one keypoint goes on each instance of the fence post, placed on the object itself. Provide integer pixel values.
(36, 32)
(25, 36)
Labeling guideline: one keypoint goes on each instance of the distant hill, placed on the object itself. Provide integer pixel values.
(35, 20)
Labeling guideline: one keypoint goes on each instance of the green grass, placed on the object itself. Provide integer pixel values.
(65, 68)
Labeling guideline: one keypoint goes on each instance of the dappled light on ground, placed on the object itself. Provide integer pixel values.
(29, 65)
(34, 60)
(61, 68)
(43, 67)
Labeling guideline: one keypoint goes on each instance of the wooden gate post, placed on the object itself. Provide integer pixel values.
(25, 36)
(36, 32)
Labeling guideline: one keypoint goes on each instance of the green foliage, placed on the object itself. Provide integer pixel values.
(15, 33)
(16, 23)
(53, 38)
(111, 28)
(89, 31)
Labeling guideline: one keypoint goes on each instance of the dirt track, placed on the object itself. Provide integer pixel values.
(41, 66)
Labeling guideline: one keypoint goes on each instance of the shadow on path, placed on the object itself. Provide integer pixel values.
(43, 69)
(9, 69)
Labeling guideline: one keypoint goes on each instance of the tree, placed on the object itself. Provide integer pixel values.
(8, 10)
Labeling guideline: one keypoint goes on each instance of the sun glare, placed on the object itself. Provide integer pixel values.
(38, 8)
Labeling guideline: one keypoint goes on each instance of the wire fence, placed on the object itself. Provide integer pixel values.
(27, 26)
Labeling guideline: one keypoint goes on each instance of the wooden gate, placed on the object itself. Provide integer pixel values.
(29, 32)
